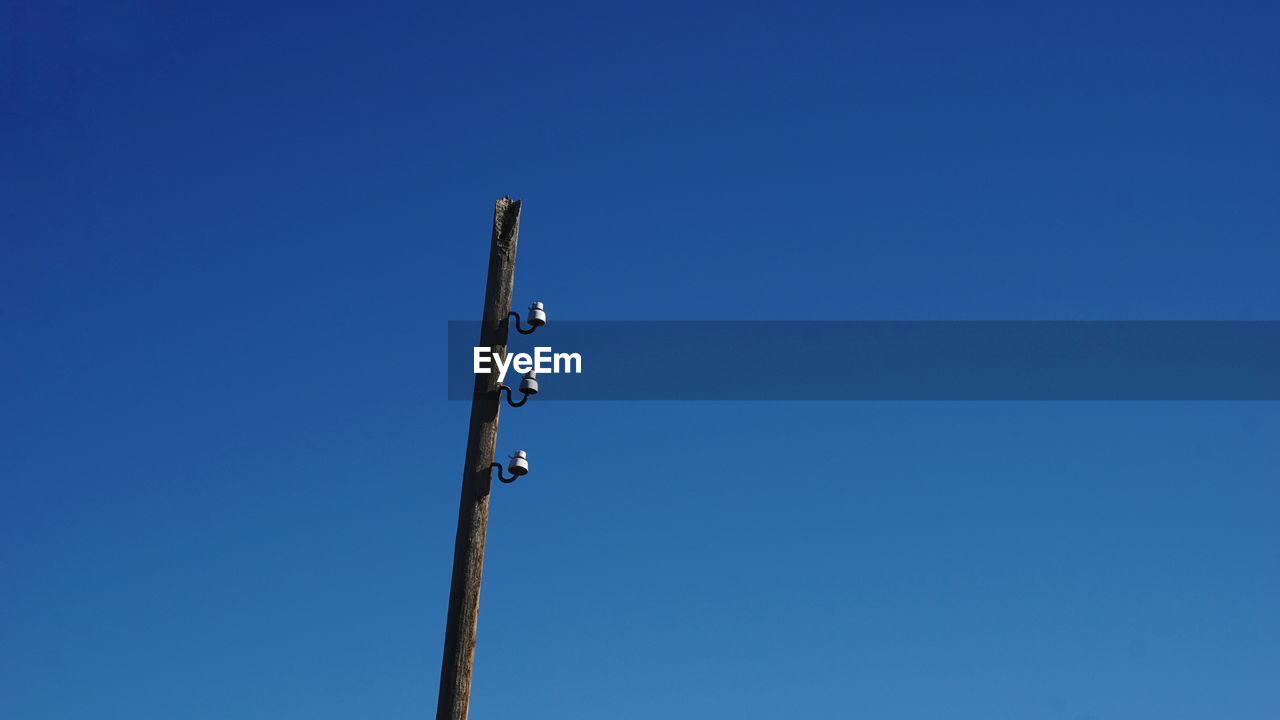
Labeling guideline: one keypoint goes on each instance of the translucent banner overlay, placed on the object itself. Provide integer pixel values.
(894, 360)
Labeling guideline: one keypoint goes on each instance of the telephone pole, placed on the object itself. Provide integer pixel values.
(473, 511)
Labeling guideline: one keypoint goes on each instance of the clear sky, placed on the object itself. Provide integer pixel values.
(233, 232)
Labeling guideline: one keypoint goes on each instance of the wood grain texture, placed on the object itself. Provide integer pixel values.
(473, 511)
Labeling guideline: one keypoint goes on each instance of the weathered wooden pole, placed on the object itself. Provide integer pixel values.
(473, 513)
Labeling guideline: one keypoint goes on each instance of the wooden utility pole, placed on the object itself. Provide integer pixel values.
(473, 513)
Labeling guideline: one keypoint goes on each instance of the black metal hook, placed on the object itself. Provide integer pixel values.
(502, 477)
(524, 396)
(520, 329)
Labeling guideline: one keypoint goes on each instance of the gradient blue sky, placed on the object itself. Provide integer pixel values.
(232, 233)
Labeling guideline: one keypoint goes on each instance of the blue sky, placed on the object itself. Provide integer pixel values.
(232, 235)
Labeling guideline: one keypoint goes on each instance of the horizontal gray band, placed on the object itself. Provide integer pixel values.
(896, 360)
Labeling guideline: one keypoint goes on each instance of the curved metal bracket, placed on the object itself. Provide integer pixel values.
(519, 328)
(524, 396)
(501, 476)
